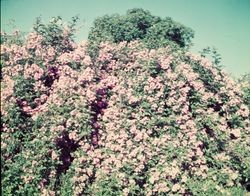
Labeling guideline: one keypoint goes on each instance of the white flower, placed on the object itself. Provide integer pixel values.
(176, 188)
(236, 133)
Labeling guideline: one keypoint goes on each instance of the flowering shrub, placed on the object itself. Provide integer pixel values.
(133, 121)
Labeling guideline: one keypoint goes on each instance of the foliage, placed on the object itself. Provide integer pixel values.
(245, 85)
(139, 24)
(132, 121)
(213, 54)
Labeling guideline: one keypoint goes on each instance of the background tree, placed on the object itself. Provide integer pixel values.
(139, 24)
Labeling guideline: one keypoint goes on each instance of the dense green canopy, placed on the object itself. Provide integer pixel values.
(139, 24)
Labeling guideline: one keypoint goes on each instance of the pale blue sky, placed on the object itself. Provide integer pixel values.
(224, 24)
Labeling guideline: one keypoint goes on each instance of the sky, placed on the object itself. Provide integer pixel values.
(223, 24)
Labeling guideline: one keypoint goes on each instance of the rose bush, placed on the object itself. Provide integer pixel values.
(133, 121)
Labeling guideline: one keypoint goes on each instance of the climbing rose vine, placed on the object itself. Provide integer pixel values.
(133, 121)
